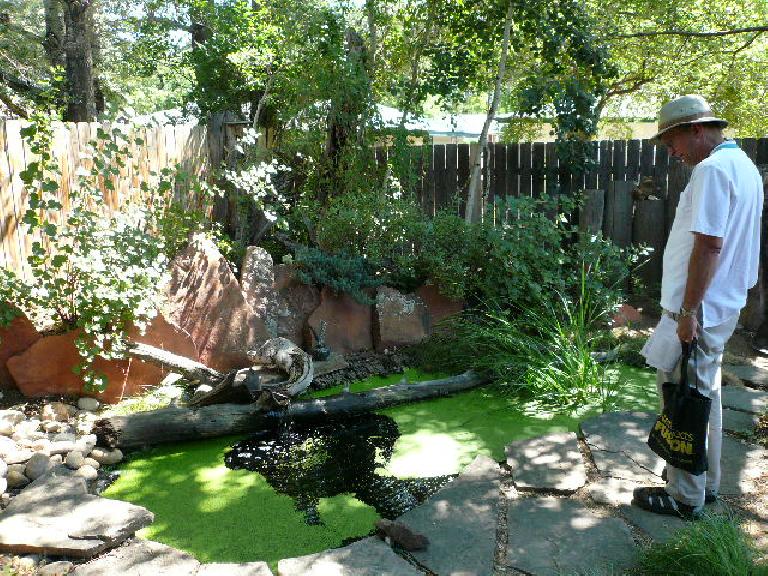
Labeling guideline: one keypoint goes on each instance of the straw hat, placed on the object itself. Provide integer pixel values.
(689, 109)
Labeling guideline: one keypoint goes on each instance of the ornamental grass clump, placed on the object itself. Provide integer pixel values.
(716, 545)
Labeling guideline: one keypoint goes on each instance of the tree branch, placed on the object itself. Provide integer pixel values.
(19, 84)
(12, 106)
(691, 33)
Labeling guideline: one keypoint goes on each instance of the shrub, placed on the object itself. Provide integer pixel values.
(715, 545)
(341, 272)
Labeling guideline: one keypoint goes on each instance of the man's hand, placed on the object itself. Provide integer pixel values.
(687, 328)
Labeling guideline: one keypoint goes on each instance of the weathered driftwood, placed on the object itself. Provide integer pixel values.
(182, 424)
(190, 369)
(258, 383)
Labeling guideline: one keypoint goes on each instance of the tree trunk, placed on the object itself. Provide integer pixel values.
(81, 98)
(182, 424)
(191, 370)
(474, 211)
(54, 33)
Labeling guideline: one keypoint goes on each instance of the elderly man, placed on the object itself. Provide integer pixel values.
(710, 261)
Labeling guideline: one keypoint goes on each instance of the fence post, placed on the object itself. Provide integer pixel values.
(618, 213)
(591, 211)
(649, 227)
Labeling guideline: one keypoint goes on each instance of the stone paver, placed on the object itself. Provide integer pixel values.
(737, 421)
(746, 372)
(658, 527)
(618, 443)
(614, 491)
(141, 558)
(460, 522)
(551, 462)
(739, 398)
(222, 569)
(368, 557)
(555, 536)
(741, 464)
(56, 516)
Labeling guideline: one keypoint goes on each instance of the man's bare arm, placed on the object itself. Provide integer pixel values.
(701, 269)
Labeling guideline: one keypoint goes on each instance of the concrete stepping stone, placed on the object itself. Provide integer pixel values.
(56, 516)
(659, 527)
(615, 491)
(141, 558)
(746, 373)
(737, 421)
(742, 464)
(551, 462)
(246, 569)
(368, 557)
(460, 522)
(554, 536)
(747, 399)
(618, 443)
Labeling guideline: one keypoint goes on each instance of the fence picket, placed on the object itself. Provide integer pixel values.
(441, 192)
(462, 175)
(451, 172)
(525, 168)
(537, 170)
(513, 169)
(499, 188)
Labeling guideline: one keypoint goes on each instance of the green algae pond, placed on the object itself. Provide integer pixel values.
(307, 487)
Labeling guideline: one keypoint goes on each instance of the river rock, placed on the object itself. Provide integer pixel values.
(204, 299)
(19, 335)
(87, 472)
(92, 463)
(60, 568)
(18, 456)
(56, 460)
(85, 443)
(43, 445)
(3, 469)
(106, 457)
(74, 460)
(26, 428)
(3, 485)
(53, 427)
(400, 319)
(16, 479)
(8, 421)
(37, 465)
(63, 447)
(7, 446)
(88, 404)
(56, 411)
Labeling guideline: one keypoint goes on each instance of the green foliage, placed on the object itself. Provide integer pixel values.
(341, 272)
(715, 545)
(93, 269)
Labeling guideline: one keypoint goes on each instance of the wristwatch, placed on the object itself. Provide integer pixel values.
(684, 312)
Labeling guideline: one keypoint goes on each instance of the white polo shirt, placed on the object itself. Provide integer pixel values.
(724, 198)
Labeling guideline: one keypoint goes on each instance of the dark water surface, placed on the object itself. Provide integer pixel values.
(310, 460)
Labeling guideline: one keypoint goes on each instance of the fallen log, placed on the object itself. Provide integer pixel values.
(176, 424)
(190, 369)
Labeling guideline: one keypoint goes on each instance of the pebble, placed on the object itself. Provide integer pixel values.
(37, 465)
(16, 479)
(75, 460)
(55, 569)
(88, 404)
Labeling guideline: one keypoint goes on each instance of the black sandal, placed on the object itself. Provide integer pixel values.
(656, 499)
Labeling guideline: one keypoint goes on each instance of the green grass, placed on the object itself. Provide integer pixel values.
(715, 545)
(225, 515)
(222, 515)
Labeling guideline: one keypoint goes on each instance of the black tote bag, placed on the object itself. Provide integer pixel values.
(679, 434)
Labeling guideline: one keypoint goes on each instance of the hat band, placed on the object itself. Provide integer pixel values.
(684, 119)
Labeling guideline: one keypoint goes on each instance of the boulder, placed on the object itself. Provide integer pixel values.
(16, 479)
(400, 319)
(74, 460)
(45, 368)
(88, 404)
(106, 457)
(205, 299)
(257, 280)
(37, 465)
(19, 335)
(438, 306)
(296, 302)
(349, 323)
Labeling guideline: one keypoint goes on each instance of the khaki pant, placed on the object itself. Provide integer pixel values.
(681, 485)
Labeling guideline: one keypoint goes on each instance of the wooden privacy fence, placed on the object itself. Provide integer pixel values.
(164, 147)
(533, 169)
